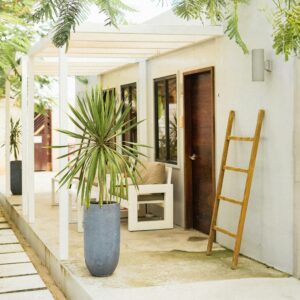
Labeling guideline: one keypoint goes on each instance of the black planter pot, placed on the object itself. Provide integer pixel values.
(102, 238)
(16, 177)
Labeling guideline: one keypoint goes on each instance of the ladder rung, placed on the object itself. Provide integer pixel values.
(235, 169)
(231, 200)
(241, 138)
(216, 228)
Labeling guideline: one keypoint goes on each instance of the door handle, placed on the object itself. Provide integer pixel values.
(193, 156)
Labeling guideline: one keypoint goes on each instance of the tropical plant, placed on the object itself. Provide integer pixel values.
(15, 134)
(286, 36)
(67, 14)
(15, 35)
(99, 121)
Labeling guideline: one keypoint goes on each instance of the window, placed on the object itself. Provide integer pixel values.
(111, 93)
(166, 119)
(128, 95)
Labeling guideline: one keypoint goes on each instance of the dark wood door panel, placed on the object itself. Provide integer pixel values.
(199, 132)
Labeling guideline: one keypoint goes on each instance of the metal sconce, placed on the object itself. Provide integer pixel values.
(259, 65)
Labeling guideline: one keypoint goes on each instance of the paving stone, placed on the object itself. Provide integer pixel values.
(32, 295)
(4, 225)
(6, 232)
(8, 239)
(11, 248)
(17, 270)
(14, 284)
(8, 258)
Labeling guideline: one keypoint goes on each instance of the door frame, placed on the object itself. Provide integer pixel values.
(188, 195)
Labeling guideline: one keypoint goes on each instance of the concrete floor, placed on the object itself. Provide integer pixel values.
(155, 260)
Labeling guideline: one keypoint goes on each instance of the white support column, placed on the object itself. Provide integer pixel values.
(24, 135)
(142, 104)
(7, 138)
(30, 143)
(63, 192)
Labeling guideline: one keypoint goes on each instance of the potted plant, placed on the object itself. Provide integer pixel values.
(100, 120)
(15, 165)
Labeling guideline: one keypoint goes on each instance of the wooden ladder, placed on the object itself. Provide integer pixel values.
(243, 203)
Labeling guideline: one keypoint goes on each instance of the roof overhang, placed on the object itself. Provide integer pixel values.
(95, 49)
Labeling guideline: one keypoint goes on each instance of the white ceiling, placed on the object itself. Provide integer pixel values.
(96, 49)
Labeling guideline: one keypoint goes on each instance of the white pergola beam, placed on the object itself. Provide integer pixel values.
(24, 144)
(40, 45)
(146, 29)
(121, 51)
(7, 138)
(63, 192)
(126, 45)
(129, 38)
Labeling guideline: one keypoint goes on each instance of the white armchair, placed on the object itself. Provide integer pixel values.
(156, 194)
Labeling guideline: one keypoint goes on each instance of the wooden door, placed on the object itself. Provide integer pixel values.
(199, 148)
(42, 154)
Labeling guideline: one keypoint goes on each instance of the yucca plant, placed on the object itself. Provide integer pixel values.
(15, 134)
(100, 120)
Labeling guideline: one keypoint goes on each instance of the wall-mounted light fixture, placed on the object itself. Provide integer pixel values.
(260, 65)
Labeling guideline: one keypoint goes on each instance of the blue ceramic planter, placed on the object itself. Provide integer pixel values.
(102, 238)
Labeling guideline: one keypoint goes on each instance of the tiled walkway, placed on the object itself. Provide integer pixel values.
(18, 277)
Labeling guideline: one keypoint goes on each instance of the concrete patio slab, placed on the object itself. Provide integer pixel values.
(155, 261)
(10, 248)
(33, 295)
(13, 258)
(24, 283)
(4, 225)
(17, 270)
(8, 239)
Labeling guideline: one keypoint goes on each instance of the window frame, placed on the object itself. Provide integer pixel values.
(123, 87)
(167, 120)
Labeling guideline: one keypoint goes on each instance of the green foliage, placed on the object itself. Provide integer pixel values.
(67, 14)
(72, 13)
(232, 28)
(15, 134)
(286, 36)
(199, 9)
(42, 104)
(113, 9)
(82, 80)
(15, 36)
(99, 122)
(217, 11)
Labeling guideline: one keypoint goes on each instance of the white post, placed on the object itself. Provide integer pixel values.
(30, 143)
(63, 192)
(142, 104)
(24, 135)
(7, 138)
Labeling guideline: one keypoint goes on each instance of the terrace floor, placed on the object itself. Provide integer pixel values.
(154, 261)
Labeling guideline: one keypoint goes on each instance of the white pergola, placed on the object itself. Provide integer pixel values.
(93, 50)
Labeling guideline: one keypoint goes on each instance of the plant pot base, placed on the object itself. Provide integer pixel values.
(16, 177)
(102, 238)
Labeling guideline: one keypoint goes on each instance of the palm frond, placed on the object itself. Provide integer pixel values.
(286, 24)
(15, 134)
(114, 10)
(99, 120)
(71, 13)
(232, 28)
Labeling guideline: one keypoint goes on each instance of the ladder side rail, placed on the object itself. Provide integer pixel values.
(212, 231)
(247, 189)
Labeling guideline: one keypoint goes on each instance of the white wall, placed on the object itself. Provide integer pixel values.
(297, 169)
(268, 235)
